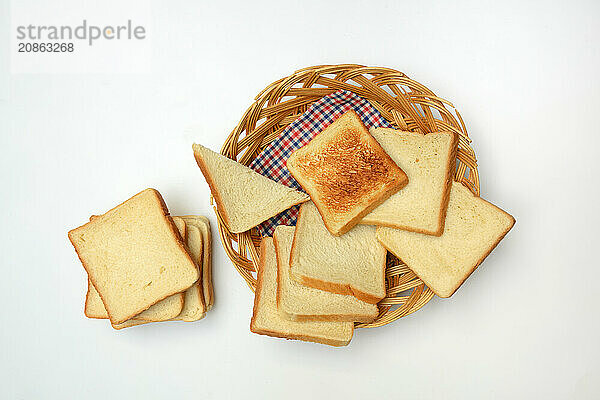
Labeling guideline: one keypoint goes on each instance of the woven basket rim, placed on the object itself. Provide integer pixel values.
(406, 104)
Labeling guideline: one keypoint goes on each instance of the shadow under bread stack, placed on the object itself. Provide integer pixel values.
(371, 192)
(144, 265)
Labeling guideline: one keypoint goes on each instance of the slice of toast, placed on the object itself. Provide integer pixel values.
(164, 310)
(266, 319)
(351, 264)
(244, 197)
(202, 223)
(134, 256)
(429, 161)
(194, 308)
(473, 229)
(302, 303)
(346, 173)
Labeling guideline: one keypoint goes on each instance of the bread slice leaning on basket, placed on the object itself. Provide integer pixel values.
(350, 264)
(473, 229)
(244, 197)
(267, 320)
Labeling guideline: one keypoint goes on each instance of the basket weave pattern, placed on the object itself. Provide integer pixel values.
(405, 103)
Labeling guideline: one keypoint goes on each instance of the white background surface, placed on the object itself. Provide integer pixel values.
(524, 76)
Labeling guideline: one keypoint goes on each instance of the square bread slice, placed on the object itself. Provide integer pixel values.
(429, 162)
(134, 256)
(346, 173)
(473, 228)
(203, 224)
(351, 264)
(164, 310)
(266, 319)
(194, 308)
(302, 303)
(244, 197)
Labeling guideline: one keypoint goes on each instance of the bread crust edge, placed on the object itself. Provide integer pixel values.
(207, 284)
(213, 188)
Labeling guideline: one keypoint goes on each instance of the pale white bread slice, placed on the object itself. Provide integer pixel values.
(181, 228)
(173, 305)
(302, 303)
(129, 323)
(244, 197)
(94, 308)
(202, 223)
(266, 319)
(351, 264)
(473, 229)
(346, 173)
(428, 161)
(134, 256)
(162, 311)
(193, 307)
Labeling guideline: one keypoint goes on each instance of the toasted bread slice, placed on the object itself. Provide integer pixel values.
(351, 264)
(346, 173)
(194, 308)
(266, 319)
(302, 303)
(164, 310)
(473, 229)
(244, 197)
(134, 256)
(429, 161)
(203, 224)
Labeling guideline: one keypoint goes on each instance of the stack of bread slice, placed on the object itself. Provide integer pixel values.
(370, 192)
(144, 265)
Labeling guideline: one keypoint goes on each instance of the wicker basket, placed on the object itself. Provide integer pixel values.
(405, 103)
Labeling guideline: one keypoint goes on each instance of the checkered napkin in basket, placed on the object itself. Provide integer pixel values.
(271, 161)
